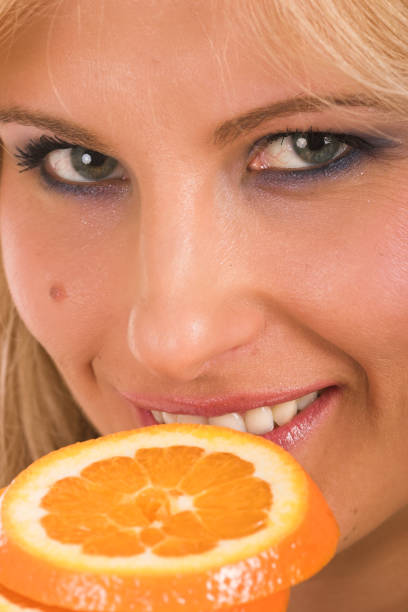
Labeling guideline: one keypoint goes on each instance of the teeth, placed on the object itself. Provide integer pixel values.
(233, 420)
(169, 418)
(159, 416)
(257, 421)
(191, 418)
(283, 413)
(304, 401)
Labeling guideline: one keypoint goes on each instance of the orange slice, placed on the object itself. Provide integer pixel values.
(278, 602)
(12, 602)
(161, 518)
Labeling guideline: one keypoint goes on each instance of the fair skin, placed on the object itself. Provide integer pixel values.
(194, 277)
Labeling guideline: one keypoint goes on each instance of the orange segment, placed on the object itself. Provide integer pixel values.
(157, 461)
(75, 495)
(151, 536)
(235, 524)
(114, 542)
(71, 529)
(186, 525)
(215, 469)
(200, 516)
(182, 547)
(241, 494)
(128, 514)
(121, 473)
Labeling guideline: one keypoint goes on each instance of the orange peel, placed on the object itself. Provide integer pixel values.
(12, 602)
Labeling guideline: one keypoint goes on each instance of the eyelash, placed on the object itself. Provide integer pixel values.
(36, 150)
(33, 154)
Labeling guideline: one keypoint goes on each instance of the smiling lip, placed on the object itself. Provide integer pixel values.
(307, 421)
(216, 406)
(289, 436)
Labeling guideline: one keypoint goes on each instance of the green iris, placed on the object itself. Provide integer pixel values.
(92, 165)
(316, 148)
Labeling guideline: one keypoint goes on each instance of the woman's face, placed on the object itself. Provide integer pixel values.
(211, 270)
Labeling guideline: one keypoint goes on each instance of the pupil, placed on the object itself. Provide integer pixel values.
(315, 141)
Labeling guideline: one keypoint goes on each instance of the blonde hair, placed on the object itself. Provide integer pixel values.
(38, 413)
(368, 41)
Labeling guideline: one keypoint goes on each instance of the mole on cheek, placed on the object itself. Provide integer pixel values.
(58, 293)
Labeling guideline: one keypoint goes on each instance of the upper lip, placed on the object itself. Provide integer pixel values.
(219, 404)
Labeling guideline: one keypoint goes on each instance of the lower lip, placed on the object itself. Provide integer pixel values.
(293, 433)
(306, 421)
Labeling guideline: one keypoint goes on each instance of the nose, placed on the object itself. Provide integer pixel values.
(192, 307)
(179, 340)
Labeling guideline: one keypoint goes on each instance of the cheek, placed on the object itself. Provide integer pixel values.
(344, 275)
(369, 286)
(57, 273)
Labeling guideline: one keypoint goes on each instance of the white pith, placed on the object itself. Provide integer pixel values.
(258, 420)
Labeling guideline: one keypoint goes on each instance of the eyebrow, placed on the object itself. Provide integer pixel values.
(224, 133)
(60, 127)
(233, 128)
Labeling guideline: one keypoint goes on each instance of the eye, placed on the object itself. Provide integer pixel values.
(80, 165)
(67, 164)
(298, 151)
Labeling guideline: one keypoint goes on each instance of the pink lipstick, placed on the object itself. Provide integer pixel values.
(298, 428)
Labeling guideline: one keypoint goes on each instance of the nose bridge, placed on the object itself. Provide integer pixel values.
(179, 240)
(186, 311)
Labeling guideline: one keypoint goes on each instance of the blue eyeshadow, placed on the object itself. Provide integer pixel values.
(293, 179)
(86, 190)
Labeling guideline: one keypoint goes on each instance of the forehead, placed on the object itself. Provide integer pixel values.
(156, 62)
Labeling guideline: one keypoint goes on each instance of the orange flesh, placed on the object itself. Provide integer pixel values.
(143, 512)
